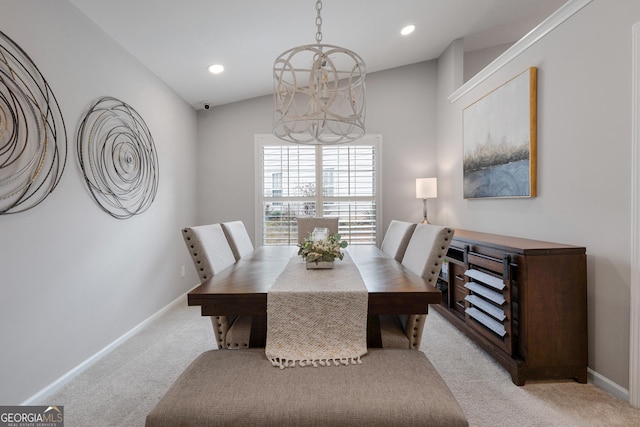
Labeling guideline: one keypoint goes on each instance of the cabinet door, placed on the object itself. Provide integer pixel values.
(488, 301)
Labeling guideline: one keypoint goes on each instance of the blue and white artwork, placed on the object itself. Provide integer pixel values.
(500, 141)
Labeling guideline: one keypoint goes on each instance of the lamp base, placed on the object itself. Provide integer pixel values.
(424, 212)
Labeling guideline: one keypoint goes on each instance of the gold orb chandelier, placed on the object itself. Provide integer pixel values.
(319, 93)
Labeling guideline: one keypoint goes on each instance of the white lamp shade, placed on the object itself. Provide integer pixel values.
(426, 188)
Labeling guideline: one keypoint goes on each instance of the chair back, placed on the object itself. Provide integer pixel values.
(397, 238)
(426, 250)
(209, 249)
(238, 238)
(306, 226)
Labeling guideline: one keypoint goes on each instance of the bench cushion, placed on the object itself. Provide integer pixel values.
(242, 388)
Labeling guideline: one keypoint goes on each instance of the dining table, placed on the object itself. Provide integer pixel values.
(242, 288)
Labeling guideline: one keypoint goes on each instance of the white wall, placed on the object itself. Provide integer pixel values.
(584, 140)
(73, 279)
(401, 106)
(226, 160)
(476, 60)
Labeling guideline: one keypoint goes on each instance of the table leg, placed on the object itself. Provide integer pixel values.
(258, 337)
(374, 336)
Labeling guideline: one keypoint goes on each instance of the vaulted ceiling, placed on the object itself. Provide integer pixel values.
(178, 40)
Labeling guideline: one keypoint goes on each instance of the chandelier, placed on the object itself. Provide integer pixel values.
(319, 93)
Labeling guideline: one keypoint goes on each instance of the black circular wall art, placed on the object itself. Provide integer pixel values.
(33, 138)
(118, 158)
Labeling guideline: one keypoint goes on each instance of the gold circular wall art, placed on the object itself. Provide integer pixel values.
(33, 138)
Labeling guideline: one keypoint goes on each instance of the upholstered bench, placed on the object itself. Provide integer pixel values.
(391, 387)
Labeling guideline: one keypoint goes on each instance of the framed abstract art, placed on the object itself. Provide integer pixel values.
(500, 141)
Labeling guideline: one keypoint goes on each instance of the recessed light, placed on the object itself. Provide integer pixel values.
(216, 69)
(408, 30)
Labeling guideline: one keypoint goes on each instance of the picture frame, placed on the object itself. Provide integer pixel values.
(499, 141)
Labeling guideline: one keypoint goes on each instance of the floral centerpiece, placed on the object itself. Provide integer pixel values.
(323, 250)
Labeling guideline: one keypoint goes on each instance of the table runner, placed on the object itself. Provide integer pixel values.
(317, 317)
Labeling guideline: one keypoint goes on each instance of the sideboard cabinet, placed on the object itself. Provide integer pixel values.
(523, 301)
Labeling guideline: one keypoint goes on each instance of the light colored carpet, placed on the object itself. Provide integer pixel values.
(121, 388)
(489, 398)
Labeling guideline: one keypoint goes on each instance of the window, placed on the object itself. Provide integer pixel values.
(296, 180)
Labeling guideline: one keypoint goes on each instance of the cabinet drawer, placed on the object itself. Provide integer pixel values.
(459, 295)
(458, 290)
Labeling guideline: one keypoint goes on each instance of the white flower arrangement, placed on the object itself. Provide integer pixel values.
(322, 250)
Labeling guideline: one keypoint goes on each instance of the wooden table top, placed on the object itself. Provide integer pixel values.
(242, 288)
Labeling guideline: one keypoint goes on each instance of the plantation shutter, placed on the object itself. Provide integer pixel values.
(289, 191)
(349, 190)
(309, 181)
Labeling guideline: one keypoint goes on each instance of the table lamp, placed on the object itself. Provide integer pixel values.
(426, 188)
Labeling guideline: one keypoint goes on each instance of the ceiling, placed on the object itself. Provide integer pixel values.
(178, 39)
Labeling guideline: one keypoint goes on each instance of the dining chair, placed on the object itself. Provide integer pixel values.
(307, 225)
(211, 253)
(397, 238)
(238, 238)
(424, 254)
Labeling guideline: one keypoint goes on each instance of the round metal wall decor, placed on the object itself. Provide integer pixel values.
(118, 158)
(33, 138)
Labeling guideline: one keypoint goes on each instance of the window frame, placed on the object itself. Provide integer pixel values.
(261, 140)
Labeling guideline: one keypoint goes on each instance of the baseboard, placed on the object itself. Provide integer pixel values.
(64, 379)
(607, 385)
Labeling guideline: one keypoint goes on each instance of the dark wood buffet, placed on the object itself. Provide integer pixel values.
(523, 301)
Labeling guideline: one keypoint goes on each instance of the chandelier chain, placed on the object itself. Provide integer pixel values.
(319, 21)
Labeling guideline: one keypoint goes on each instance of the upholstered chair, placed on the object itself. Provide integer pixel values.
(397, 238)
(211, 253)
(424, 255)
(307, 225)
(238, 238)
